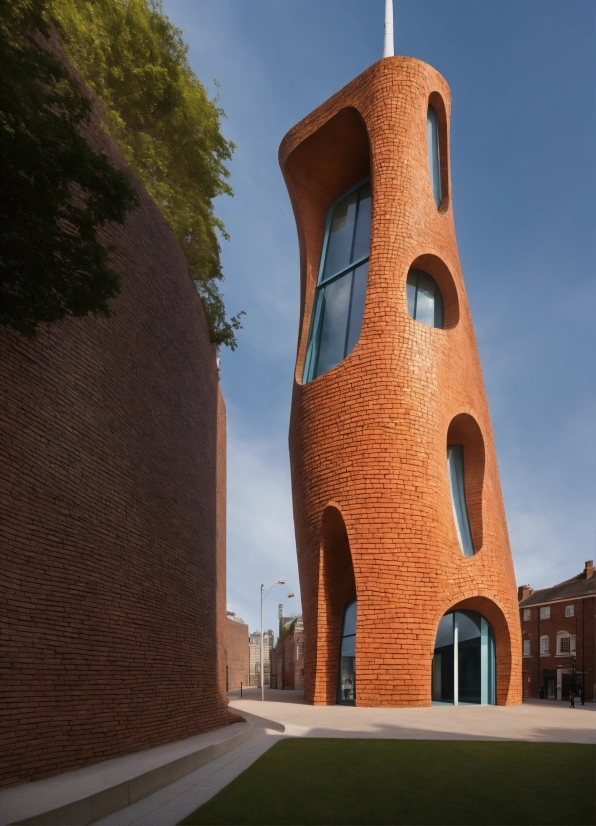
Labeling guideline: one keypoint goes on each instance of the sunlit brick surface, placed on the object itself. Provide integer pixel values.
(368, 439)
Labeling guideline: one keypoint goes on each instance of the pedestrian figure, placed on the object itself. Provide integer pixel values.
(582, 696)
(572, 699)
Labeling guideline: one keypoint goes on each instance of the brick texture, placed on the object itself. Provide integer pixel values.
(238, 655)
(368, 439)
(112, 518)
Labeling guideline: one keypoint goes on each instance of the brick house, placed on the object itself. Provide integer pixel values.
(559, 637)
(287, 658)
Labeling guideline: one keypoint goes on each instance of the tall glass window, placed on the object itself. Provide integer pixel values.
(463, 669)
(341, 289)
(425, 302)
(346, 686)
(434, 154)
(455, 466)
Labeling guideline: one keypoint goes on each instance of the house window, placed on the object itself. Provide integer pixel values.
(455, 465)
(341, 290)
(565, 643)
(545, 612)
(527, 614)
(434, 154)
(425, 302)
(544, 647)
(526, 648)
(569, 610)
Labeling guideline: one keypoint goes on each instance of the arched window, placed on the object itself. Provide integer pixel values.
(341, 289)
(346, 686)
(425, 302)
(463, 669)
(455, 465)
(434, 154)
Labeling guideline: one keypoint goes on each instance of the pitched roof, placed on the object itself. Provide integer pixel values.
(577, 586)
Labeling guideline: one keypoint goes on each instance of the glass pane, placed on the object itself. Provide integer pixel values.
(348, 646)
(350, 620)
(347, 680)
(434, 164)
(339, 246)
(334, 322)
(362, 237)
(357, 308)
(468, 625)
(445, 632)
(313, 341)
(469, 671)
(425, 300)
(455, 462)
(411, 292)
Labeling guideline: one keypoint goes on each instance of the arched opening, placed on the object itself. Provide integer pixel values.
(425, 301)
(464, 661)
(438, 150)
(337, 591)
(435, 269)
(322, 171)
(465, 468)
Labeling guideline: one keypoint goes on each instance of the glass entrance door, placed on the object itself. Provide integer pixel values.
(346, 687)
(463, 669)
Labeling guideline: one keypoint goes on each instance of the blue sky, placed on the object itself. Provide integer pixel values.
(522, 77)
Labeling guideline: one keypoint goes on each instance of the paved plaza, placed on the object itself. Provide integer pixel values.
(285, 714)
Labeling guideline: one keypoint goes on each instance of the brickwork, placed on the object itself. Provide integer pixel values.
(112, 519)
(368, 439)
(237, 654)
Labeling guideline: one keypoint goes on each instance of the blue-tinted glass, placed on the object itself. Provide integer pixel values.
(362, 235)
(348, 646)
(468, 625)
(334, 322)
(357, 308)
(411, 292)
(434, 158)
(455, 463)
(350, 620)
(445, 631)
(341, 232)
(425, 302)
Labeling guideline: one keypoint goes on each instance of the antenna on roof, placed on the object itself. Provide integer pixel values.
(388, 47)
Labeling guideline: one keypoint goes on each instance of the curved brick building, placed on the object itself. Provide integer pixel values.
(405, 568)
(112, 519)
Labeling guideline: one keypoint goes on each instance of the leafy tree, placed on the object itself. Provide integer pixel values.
(55, 191)
(158, 111)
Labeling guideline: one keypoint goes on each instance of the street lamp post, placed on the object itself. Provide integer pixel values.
(279, 582)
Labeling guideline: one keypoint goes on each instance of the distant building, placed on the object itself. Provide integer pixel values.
(255, 655)
(237, 652)
(287, 658)
(559, 637)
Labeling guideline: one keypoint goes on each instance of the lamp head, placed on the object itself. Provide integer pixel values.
(280, 582)
(290, 595)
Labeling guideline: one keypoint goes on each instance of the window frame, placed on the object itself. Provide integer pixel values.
(570, 610)
(526, 648)
(526, 614)
(310, 355)
(436, 139)
(545, 612)
(544, 648)
(339, 700)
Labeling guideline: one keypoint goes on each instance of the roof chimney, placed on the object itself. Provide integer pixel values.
(523, 592)
(589, 569)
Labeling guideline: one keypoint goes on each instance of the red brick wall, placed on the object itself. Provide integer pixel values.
(112, 519)
(370, 436)
(583, 625)
(238, 654)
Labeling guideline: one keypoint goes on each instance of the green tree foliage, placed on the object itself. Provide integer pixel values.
(158, 111)
(55, 191)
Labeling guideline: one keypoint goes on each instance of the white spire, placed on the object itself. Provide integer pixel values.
(388, 48)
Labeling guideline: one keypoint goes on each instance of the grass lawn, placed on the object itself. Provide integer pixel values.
(336, 781)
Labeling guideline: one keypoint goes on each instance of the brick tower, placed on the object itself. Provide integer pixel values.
(405, 567)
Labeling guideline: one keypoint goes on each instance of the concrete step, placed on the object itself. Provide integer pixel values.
(83, 796)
